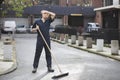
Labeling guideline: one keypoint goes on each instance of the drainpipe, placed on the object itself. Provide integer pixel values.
(66, 16)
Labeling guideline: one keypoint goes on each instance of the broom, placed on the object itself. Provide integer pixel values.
(61, 73)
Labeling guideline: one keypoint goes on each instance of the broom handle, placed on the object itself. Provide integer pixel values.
(49, 49)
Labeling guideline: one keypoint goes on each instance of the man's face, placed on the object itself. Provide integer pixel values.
(45, 15)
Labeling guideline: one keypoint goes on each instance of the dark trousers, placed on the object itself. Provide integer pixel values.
(39, 47)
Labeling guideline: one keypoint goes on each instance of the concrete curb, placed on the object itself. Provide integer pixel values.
(61, 42)
(14, 66)
(95, 52)
(91, 51)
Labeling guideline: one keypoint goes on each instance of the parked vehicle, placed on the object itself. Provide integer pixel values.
(9, 26)
(93, 27)
(21, 28)
(51, 29)
(30, 29)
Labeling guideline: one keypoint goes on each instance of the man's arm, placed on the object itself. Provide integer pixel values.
(52, 15)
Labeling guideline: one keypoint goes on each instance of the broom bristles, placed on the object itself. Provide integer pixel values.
(60, 75)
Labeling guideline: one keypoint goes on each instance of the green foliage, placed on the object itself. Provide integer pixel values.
(17, 6)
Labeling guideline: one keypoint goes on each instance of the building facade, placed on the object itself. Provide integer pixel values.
(94, 3)
(75, 13)
(109, 17)
(109, 14)
(82, 3)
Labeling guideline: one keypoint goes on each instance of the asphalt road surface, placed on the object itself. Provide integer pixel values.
(81, 65)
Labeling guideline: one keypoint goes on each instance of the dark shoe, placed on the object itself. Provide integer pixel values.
(50, 70)
(34, 70)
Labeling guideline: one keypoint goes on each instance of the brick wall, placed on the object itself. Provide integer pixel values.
(97, 3)
(62, 2)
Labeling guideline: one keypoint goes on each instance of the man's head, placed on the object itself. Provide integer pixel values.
(45, 14)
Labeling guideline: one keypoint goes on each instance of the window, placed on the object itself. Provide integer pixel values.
(84, 2)
(108, 2)
(49, 2)
(87, 2)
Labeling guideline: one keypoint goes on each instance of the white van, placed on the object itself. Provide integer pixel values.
(93, 27)
(9, 26)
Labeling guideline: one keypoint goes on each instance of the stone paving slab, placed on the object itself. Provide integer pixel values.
(8, 61)
(8, 49)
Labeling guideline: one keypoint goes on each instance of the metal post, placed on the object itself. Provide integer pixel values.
(100, 45)
(114, 47)
(89, 42)
(73, 39)
(80, 40)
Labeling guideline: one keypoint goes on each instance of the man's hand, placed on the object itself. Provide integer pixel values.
(35, 29)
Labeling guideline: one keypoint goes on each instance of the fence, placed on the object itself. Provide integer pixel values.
(106, 34)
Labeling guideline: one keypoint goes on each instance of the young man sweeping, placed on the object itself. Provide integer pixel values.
(44, 26)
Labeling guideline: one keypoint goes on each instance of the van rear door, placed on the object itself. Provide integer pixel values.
(9, 26)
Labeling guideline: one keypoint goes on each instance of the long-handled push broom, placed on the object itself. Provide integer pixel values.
(61, 73)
